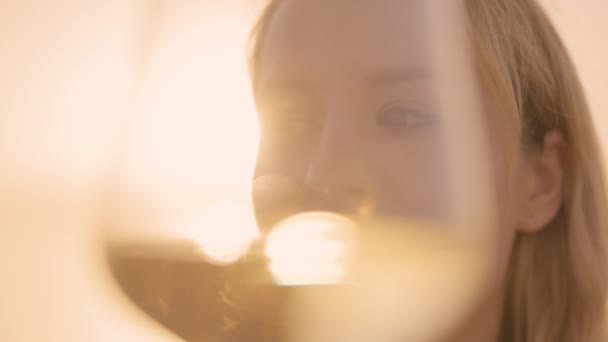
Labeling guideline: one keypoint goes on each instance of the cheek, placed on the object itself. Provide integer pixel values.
(411, 180)
(504, 168)
(504, 157)
(499, 261)
(281, 159)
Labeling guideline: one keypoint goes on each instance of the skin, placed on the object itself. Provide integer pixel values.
(349, 114)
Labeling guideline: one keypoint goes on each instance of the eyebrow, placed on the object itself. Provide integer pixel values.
(384, 77)
(399, 75)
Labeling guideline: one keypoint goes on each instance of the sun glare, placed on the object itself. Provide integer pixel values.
(194, 138)
(309, 249)
(223, 232)
(194, 134)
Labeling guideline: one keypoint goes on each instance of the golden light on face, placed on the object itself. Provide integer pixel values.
(309, 249)
(223, 232)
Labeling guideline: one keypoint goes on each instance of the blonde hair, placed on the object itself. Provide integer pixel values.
(556, 285)
(556, 288)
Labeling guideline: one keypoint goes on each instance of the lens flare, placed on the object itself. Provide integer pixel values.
(224, 232)
(309, 249)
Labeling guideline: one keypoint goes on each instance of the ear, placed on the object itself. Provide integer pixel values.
(542, 184)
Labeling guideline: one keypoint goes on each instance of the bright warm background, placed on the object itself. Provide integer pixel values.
(583, 27)
(193, 136)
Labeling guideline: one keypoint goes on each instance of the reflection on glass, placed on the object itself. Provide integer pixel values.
(223, 232)
(397, 182)
(309, 249)
(356, 158)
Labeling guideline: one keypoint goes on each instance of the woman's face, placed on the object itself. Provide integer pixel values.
(347, 108)
(347, 97)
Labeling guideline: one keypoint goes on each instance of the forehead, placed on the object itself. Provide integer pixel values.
(347, 37)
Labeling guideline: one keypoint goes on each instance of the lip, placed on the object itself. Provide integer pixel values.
(277, 197)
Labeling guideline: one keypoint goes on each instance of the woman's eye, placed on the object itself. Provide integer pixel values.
(403, 118)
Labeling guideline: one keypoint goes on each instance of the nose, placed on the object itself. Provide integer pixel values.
(339, 172)
(335, 176)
